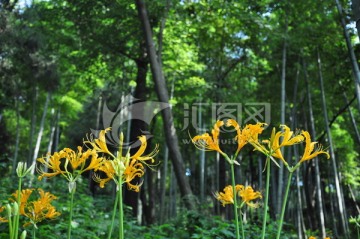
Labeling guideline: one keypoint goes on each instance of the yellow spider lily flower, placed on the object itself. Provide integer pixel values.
(2, 219)
(24, 197)
(39, 210)
(59, 163)
(312, 237)
(124, 169)
(139, 154)
(310, 152)
(208, 142)
(241, 138)
(99, 144)
(248, 194)
(226, 197)
(287, 139)
(52, 162)
(277, 141)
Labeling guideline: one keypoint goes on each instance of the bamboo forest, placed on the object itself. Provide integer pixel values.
(189, 119)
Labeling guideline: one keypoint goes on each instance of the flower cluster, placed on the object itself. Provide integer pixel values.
(71, 164)
(247, 195)
(121, 169)
(38, 210)
(270, 147)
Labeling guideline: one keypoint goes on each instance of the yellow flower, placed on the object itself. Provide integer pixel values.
(248, 194)
(277, 141)
(226, 197)
(24, 197)
(99, 144)
(52, 162)
(241, 138)
(310, 152)
(139, 154)
(208, 142)
(251, 133)
(312, 237)
(108, 168)
(59, 163)
(288, 139)
(124, 169)
(134, 169)
(39, 210)
(2, 219)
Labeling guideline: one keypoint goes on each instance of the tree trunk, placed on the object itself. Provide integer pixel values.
(352, 118)
(138, 127)
(282, 121)
(33, 123)
(318, 183)
(354, 64)
(356, 11)
(52, 133)
(320, 208)
(299, 213)
(17, 133)
(41, 131)
(163, 176)
(162, 92)
(340, 198)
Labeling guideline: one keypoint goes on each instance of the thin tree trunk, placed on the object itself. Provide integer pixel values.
(282, 121)
(320, 208)
(57, 132)
(33, 123)
(339, 195)
(163, 177)
(356, 11)
(162, 92)
(17, 133)
(299, 208)
(353, 121)
(51, 137)
(137, 128)
(318, 183)
(354, 64)
(41, 131)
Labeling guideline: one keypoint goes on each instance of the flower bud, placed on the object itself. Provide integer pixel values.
(23, 235)
(8, 210)
(15, 208)
(22, 169)
(72, 186)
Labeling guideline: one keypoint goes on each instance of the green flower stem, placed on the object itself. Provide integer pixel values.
(11, 228)
(72, 192)
(121, 215)
(268, 167)
(241, 224)
(17, 215)
(235, 201)
(284, 206)
(34, 232)
(113, 215)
